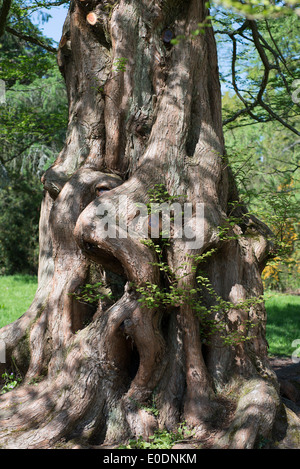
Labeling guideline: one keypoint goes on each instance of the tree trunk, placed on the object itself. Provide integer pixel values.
(144, 114)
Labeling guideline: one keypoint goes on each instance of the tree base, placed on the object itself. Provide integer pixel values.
(85, 406)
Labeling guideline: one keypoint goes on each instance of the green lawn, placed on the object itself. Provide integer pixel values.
(283, 325)
(16, 295)
(283, 322)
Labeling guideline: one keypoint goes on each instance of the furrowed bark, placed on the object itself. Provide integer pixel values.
(142, 113)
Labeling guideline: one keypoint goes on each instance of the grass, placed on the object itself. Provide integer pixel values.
(16, 295)
(283, 322)
(283, 325)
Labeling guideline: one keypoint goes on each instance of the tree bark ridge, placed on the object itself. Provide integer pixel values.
(142, 114)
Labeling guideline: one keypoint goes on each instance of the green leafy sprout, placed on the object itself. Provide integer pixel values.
(11, 381)
(120, 64)
(92, 293)
(161, 439)
(213, 318)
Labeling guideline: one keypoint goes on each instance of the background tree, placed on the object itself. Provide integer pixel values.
(32, 127)
(186, 325)
(267, 176)
(261, 122)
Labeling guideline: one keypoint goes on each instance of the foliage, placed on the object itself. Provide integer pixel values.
(162, 439)
(33, 123)
(20, 63)
(19, 217)
(263, 141)
(212, 309)
(11, 381)
(17, 21)
(92, 293)
(259, 67)
(120, 64)
(266, 171)
(261, 9)
(34, 117)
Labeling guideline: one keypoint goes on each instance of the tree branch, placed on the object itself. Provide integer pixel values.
(48, 5)
(264, 59)
(278, 118)
(4, 15)
(260, 45)
(248, 106)
(32, 40)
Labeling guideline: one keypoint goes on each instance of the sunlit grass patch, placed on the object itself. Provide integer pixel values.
(16, 295)
(283, 322)
(283, 311)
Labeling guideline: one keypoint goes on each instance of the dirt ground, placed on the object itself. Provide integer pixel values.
(288, 374)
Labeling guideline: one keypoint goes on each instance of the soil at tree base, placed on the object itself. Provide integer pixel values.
(288, 374)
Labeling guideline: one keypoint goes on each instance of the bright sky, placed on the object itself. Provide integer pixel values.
(53, 27)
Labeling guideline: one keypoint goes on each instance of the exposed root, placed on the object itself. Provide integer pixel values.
(254, 417)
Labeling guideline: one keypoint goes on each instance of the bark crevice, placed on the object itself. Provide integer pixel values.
(142, 113)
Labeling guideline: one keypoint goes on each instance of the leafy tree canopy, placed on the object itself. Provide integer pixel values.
(32, 131)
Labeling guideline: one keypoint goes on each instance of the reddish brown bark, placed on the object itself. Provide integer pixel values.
(156, 119)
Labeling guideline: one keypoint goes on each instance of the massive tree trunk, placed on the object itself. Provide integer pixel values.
(143, 115)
